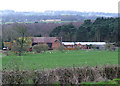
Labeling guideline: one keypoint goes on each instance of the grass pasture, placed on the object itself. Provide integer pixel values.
(53, 59)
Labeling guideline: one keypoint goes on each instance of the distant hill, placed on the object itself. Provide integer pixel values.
(12, 16)
(51, 12)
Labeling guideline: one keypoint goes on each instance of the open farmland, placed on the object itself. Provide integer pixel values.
(53, 59)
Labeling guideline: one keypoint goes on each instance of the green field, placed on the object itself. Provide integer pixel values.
(60, 59)
(0, 61)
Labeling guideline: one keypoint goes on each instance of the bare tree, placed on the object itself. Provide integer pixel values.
(22, 43)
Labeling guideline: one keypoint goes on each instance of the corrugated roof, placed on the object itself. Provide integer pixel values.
(44, 39)
(84, 43)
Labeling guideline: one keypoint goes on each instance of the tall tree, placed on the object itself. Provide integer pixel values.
(67, 32)
(21, 43)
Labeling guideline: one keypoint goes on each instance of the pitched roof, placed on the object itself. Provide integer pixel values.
(44, 39)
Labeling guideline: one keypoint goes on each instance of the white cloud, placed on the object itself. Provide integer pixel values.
(77, 5)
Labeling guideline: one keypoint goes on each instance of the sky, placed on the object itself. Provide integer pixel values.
(107, 6)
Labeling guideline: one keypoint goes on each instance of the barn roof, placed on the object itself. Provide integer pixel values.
(84, 43)
(44, 39)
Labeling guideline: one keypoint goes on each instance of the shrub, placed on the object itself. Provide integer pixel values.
(17, 77)
(21, 45)
(77, 48)
(109, 46)
(40, 47)
(93, 46)
(61, 48)
(74, 75)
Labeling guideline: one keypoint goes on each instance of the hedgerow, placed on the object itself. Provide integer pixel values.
(74, 75)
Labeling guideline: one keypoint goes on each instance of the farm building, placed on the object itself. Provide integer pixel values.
(71, 45)
(84, 45)
(52, 42)
(7, 45)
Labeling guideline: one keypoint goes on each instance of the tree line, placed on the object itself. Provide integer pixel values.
(34, 29)
(102, 29)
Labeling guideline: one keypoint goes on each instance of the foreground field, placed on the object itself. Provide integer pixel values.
(53, 59)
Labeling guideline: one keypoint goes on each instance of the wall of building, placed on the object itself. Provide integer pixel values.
(55, 45)
(8, 44)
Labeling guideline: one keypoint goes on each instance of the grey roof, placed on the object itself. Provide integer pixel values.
(44, 39)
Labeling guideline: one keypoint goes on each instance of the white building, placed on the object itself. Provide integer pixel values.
(100, 45)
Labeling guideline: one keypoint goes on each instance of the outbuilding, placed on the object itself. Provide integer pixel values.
(52, 42)
(84, 45)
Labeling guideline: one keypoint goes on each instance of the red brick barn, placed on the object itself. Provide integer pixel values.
(52, 42)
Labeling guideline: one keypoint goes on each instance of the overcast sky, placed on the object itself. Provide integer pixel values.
(110, 6)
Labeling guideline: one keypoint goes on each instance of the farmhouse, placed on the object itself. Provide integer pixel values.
(52, 42)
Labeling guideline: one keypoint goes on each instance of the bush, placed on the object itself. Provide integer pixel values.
(40, 47)
(21, 45)
(74, 75)
(61, 48)
(16, 77)
(109, 46)
(77, 48)
(93, 46)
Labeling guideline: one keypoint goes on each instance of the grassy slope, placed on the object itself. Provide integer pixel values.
(59, 59)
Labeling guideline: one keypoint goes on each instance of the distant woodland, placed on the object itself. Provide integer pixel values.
(101, 29)
(34, 29)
